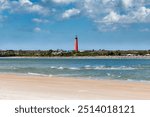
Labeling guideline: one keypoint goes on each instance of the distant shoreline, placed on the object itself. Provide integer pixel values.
(77, 54)
(84, 57)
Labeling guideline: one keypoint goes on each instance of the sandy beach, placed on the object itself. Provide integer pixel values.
(16, 86)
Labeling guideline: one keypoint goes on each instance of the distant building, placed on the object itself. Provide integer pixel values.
(76, 44)
(147, 54)
(130, 54)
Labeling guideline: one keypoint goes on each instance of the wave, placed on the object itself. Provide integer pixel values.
(114, 68)
(55, 67)
(36, 74)
(62, 68)
(109, 68)
(74, 68)
(88, 67)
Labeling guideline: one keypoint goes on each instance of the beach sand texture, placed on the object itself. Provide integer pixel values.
(18, 87)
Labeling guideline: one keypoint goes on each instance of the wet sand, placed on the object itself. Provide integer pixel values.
(24, 87)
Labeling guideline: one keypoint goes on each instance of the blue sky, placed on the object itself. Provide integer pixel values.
(53, 24)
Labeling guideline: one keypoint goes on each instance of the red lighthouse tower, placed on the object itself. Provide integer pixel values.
(76, 44)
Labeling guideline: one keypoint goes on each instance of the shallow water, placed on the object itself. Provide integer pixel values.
(121, 69)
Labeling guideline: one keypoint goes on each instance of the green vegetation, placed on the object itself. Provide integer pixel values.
(62, 53)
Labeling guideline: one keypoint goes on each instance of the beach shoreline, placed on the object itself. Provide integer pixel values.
(26, 87)
(83, 57)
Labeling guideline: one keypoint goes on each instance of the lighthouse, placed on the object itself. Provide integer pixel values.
(76, 44)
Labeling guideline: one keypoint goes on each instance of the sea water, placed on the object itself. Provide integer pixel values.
(120, 69)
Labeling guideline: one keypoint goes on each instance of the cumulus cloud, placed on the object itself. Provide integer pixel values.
(141, 15)
(38, 9)
(69, 13)
(23, 6)
(107, 14)
(38, 20)
(116, 13)
(64, 1)
(28, 6)
(37, 29)
(112, 17)
(4, 4)
(23, 2)
(127, 3)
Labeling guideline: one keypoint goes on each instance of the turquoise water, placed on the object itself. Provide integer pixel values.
(122, 69)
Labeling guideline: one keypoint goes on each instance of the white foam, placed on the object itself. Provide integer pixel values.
(113, 68)
(50, 75)
(60, 68)
(108, 74)
(36, 74)
(53, 67)
(74, 68)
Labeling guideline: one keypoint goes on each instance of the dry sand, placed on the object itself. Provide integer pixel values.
(15, 86)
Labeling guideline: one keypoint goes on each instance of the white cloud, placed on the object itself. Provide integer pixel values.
(141, 15)
(127, 3)
(40, 30)
(63, 1)
(69, 13)
(25, 2)
(112, 17)
(28, 6)
(116, 13)
(2, 1)
(23, 6)
(37, 29)
(38, 9)
(107, 14)
(37, 20)
(4, 4)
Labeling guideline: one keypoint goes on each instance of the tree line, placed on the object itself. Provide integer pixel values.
(64, 53)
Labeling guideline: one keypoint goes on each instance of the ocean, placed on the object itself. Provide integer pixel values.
(117, 69)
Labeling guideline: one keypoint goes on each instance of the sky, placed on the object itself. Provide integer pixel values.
(53, 24)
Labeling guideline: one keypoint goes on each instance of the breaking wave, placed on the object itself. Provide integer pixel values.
(88, 67)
